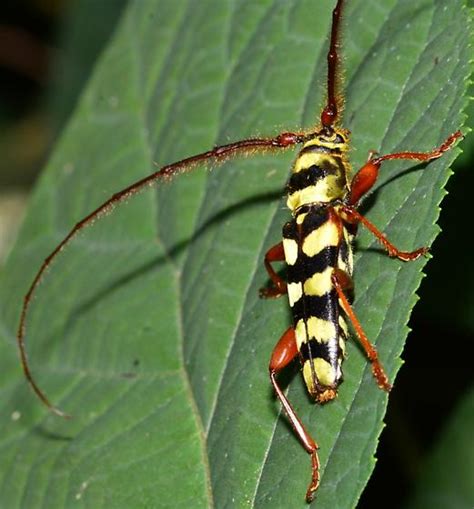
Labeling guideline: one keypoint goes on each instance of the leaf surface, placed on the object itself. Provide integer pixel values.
(149, 329)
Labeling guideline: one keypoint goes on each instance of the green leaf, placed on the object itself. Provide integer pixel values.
(446, 476)
(148, 328)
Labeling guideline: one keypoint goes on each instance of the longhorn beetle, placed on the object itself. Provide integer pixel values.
(316, 246)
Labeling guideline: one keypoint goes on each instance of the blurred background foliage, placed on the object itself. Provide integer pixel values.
(47, 52)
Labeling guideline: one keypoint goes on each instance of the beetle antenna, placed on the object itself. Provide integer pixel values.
(330, 112)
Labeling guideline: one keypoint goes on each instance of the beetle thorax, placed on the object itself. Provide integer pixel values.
(320, 172)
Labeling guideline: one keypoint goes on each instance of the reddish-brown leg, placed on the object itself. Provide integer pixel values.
(274, 254)
(284, 352)
(366, 177)
(353, 216)
(342, 282)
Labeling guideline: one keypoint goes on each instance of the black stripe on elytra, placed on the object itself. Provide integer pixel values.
(314, 218)
(313, 349)
(351, 229)
(344, 251)
(305, 266)
(342, 334)
(290, 230)
(324, 307)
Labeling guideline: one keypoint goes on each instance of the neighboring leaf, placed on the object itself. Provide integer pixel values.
(446, 476)
(148, 328)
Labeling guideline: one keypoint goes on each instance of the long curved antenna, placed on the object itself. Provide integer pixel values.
(330, 111)
(216, 155)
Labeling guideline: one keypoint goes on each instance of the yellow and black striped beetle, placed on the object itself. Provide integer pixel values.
(316, 246)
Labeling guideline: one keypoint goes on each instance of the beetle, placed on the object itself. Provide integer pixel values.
(341, 216)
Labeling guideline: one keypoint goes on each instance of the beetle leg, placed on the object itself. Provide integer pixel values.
(274, 254)
(342, 282)
(285, 352)
(352, 216)
(366, 177)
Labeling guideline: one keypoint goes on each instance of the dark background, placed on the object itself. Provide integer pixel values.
(41, 74)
